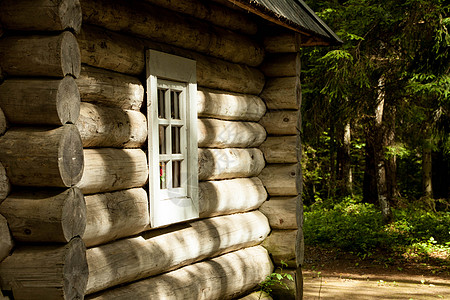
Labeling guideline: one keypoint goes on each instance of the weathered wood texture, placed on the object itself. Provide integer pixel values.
(39, 55)
(161, 25)
(215, 133)
(224, 277)
(110, 169)
(279, 93)
(102, 126)
(6, 242)
(229, 106)
(213, 13)
(45, 215)
(5, 185)
(281, 179)
(220, 197)
(150, 254)
(41, 15)
(46, 272)
(259, 295)
(114, 215)
(280, 149)
(3, 122)
(229, 163)
(117, 52)
(113, 89)
(2, 297)
(280, 122)
(42, 156)
(40, 101)
(281, 246)
(281, 43)
(281, 212)
(279, 65)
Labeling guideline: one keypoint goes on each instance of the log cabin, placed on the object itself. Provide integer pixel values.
(150, 149)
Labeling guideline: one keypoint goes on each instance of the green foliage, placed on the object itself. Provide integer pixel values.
(359, 228)
(276, 279)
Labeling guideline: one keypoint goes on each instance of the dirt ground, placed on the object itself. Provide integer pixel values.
(332, 275)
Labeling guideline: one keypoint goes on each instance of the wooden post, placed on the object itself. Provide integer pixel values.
(45, 215)
(227, 134)
(40, 101)
(46, 272)
(101, 126)
(115, 215)
(229, 163)
(6, 242)
(154, 23)
(229, 106)
(224, 277)
(39, 55)
(100, 86)
(220, 197)
(110, 169)
(41, 15)
(147, 255)
(42, 156)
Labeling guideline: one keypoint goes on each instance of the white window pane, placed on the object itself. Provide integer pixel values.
(175, 104)
(162, 139)
(176, 173)
(162, 104)
(176, 149)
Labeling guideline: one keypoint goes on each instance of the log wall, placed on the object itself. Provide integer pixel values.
(79, 110)
(282, 175)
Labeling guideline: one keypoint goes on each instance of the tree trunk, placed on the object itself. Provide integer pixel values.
(344, 163)
(427, 186)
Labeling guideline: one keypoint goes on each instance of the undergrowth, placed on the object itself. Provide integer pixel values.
(358, 228)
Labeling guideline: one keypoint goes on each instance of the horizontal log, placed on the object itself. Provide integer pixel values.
(280, 43)
(215, 133)
(281, 246)
(113, 89)
(259, 295)
(134, 258)
(46, 272)
(281, 212)
(279, 93)
(40, 101)
(281, 292)
(102, 126)
(281, 179)
(280, 149)
(281, 122)
(229, 163)
(42, 15)
(229, 106)
(224, 277)
(5, 185)
(52, 56)
(117, 52)
(45, 215)
(3, 122)
(115, 215)
(220, 197)
(213, 13)
(110, 169)
(280, 65)
(6, 242)
(42, 156)
(161, 25)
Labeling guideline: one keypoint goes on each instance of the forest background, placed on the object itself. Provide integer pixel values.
(376, 129)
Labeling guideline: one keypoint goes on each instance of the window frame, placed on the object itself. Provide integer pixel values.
(163, 68)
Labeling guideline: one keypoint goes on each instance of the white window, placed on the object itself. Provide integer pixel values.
(172, 140)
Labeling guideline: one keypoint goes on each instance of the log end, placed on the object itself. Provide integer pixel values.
(68, 101)
(5, 185)
(6, 242)
(70, 154)
(75, 271)
(73, 217)
(3, 123)
(70, 15)
(70, 55)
